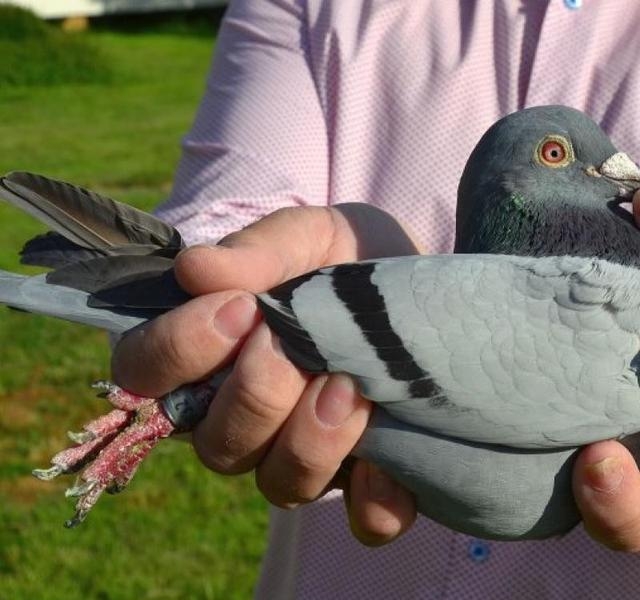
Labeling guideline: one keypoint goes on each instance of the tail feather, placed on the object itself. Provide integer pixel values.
(54, 251)
(86, 218)
(34, 294)
(113, 263)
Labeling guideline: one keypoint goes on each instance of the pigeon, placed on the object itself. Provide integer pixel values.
(489, 367)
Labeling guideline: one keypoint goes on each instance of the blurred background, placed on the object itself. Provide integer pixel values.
(100, 95)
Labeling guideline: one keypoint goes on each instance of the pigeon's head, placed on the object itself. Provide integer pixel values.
(547, 180)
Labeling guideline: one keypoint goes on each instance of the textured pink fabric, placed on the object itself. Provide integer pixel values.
(381, 101)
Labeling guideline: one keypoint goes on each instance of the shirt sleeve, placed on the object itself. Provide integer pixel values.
(259, 140)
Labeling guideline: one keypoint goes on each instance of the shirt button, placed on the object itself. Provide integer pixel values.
(573, 4)
(479, 550)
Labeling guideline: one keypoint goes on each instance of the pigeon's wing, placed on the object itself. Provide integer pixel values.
(125, 282)
(34, 294)
(483, 490)
(83, 219)
(523, 352)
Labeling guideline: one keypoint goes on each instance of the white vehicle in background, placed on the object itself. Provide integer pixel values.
(62, 9)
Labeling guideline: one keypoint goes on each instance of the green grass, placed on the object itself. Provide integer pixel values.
(178, 531)
(34, 52)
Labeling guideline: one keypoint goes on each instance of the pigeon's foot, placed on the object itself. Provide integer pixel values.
(110, 448)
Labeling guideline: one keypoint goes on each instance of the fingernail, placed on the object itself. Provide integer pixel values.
(605, 475)
(380, 485)
(236, 318)
(336, 400)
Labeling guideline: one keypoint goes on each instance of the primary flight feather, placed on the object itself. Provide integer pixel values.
(489, 367)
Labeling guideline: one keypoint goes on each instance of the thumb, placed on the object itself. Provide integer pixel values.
(290, 242)
(606, 485)
(285, 243)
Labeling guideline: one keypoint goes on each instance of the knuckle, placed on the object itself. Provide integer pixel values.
(283, 492)
(335, 225)
(624, 546)
(232, 239)
(277, 493)
(258, 400)
(266, 388)
(173, 350)
(310, 462)
(225, 456)
(622, 537)
(301, 478)
(292, 214)
(178, 348)
(223, 463)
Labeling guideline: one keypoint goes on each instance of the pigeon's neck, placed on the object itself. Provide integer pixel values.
(562, 231)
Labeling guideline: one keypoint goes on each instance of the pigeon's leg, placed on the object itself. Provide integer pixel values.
(96, 434)
(118, 461)
(112, 447)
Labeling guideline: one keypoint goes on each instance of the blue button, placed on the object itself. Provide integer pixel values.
(479, 550)
(573, 4)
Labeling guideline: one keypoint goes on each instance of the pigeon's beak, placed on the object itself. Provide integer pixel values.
(622, 171)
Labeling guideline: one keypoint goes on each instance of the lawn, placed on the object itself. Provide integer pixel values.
(178, 531)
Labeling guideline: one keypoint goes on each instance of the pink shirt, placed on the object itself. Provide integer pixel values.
(381, 101)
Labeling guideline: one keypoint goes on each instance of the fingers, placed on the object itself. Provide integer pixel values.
(296, 431)
(606, 485)
(250, 407)
(185, 344)
(322, 430)
(290, 242)
(268, 415)
(379, 509)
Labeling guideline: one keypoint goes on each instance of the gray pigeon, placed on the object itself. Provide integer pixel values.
(489, 368)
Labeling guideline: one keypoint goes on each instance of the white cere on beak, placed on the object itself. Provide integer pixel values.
(620, 166)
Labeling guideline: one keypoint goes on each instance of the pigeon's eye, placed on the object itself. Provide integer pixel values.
(554, 151)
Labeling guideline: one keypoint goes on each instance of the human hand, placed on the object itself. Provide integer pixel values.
(606, 483)
(294, 430)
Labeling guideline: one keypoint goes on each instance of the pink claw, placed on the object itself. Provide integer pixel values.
(110, 447)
